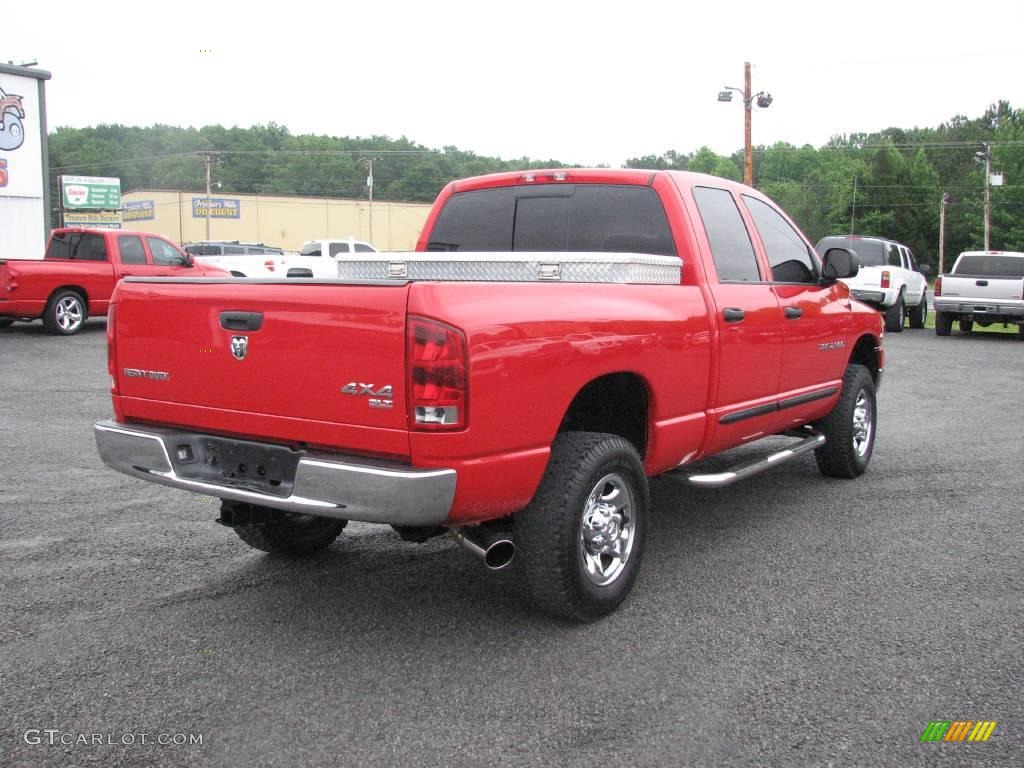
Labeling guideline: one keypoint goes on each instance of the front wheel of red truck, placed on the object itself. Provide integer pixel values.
(850, 428)
(582, 536)
(280, 533)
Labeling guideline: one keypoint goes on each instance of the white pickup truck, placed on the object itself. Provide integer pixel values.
(984, 287)
(889, 279)
(319, 258)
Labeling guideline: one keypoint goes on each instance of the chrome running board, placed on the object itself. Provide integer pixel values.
(810, 441)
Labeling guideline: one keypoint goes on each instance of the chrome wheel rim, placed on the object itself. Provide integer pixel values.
(607, 529)
(69, 313)
(862, 424)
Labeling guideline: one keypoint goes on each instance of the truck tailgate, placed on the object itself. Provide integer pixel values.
(982, 288)
(285, 360)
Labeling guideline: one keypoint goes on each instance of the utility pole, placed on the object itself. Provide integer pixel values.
(942, 230)
(369, 183)
(988, 180)
(853, 209)
(748, 150)
(208, 158)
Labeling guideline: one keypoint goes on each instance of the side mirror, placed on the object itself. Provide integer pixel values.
(839, 263)
(924, 269)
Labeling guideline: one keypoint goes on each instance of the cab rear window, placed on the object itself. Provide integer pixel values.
(555, 217)
(81, 246)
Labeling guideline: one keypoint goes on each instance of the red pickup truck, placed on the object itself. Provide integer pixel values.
(77, 276)
(558, 338)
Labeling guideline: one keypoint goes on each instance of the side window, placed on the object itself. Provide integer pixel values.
(911, 261)
(363, 248)
(91, 248)
(893, 256)
(336, 248)
(788, 255)
(229, 249)
(164, 254)
(730, 242)
(131, 249)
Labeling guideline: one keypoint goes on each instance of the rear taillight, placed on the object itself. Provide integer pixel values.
(111, 349)
(269, 265)
(437, 371)
(885, 279)
(938, 286)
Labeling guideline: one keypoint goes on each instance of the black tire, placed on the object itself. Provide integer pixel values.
(894, 316)
(848, 446)
(281, 533)
(65, 313)
(919, 314)
(555, 545)
(5, 322)
(966, 326)
(943, 323)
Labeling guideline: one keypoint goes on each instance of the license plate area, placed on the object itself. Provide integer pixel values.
(267, 469)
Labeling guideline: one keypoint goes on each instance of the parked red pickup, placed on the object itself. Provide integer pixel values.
(77, 276)
(560, 337)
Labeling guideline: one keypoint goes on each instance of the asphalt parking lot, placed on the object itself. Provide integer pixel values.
(789, 621)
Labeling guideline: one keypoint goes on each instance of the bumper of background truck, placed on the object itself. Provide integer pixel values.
(324, 484)
(978, 308)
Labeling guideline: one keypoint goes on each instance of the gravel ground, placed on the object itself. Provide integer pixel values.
(788, 621)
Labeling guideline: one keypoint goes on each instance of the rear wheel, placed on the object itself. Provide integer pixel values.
(278, 532)
(6, 321)
(943, 323)
(850, 428)
(582, 536)
(919, 314)
(966, 326)
(65, 313)
(894, 316)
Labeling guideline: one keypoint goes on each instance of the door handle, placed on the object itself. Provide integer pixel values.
(981, 283)
(733, 315)
(241, 321)
(793, 313)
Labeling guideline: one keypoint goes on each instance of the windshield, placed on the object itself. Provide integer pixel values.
(990, 266)
(870, 253)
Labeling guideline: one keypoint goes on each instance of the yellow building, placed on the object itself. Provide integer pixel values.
(285, 222)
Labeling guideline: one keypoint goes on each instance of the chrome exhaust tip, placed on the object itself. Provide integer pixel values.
(495, 549)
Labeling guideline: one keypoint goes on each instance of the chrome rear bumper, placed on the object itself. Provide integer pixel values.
(324, 484)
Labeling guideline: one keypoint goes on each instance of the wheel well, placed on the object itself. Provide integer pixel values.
(616, 404)
(864, 354)
(235, 273)
(77, 289)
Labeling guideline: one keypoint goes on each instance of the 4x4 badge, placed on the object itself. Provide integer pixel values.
(239, 346)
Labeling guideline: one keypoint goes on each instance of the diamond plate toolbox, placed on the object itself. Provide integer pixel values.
(516, 267)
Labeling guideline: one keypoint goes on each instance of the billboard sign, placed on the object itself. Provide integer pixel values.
(220, 208)
(94, 192)
(139, 210)
(101, 219)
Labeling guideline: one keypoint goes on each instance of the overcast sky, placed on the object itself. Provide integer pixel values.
(594, 82)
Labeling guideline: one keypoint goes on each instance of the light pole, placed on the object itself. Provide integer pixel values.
(369, 184)
(764, 100)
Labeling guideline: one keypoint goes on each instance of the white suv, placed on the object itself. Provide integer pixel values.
(240, 259)
(889, 279)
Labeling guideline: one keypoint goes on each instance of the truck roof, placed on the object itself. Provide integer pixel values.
(102, 230)
(638, 176)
